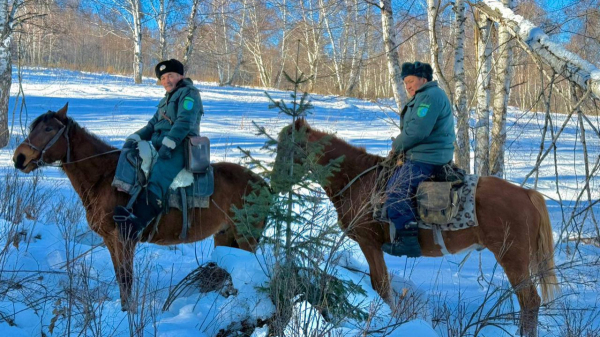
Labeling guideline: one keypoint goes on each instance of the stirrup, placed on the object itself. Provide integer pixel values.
(122, 214)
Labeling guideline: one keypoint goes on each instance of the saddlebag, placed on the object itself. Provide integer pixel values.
(197, 154)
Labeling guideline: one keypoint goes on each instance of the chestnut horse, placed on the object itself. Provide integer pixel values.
(513, 223)
(90, 165)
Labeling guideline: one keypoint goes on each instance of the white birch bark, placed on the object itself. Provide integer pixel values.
(391, 52)
(482, 126)
(138, 65)
(335, 57)
(433, 7)
(462, 147)
(7, 21)
(189, 41)
(284, 36)
(501, 95)
(359, 48)
(255, 44)
(562, 61)
(312, 38)
(161, 22)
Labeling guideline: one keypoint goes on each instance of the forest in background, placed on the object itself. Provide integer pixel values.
(250, 42)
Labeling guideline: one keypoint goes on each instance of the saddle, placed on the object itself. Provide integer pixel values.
(438, 199)
(187, 191)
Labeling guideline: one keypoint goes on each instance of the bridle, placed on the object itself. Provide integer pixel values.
(63, 131)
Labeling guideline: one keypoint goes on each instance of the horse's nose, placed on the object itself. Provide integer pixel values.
(19, 160)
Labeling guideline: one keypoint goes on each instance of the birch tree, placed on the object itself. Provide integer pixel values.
(226, 43)
(256, 19)
(433, 7)
(282, 5)
(160, 16)
(335, 53)
(135, 9)
(359, 45)
(501, 95)
(532, 38)
(8, 10)
(131, 12)
(313, 39)
(462, 147)
(391, 52)
(192, 24)
(482, 126)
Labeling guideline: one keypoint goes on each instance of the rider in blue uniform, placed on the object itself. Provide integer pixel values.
(178, 116)
(426, 142)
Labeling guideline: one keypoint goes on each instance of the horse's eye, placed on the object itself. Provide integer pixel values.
(48, 129)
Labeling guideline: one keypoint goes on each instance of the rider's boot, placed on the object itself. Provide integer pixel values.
(405, 242)
(131, 224)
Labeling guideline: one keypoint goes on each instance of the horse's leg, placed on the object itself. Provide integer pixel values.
(516, 267)
(378, 270)
(225, 238)
(122, 259)
(246, 242)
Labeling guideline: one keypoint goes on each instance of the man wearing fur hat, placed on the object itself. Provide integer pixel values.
(178, 116)
(426, 143)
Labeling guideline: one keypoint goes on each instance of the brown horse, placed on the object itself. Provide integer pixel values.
(90, 165)
(513, 224)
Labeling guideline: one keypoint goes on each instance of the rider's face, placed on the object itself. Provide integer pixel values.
(170, 80)
(413, 83)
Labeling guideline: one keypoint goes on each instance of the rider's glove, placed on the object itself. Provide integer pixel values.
(164, 152)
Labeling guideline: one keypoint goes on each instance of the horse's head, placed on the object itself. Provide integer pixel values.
(46, 142)
(292, 151)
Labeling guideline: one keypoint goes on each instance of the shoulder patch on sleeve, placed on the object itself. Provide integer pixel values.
(188, 103)
(422, 109)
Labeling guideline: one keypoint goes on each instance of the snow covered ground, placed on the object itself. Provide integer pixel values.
(59, 252)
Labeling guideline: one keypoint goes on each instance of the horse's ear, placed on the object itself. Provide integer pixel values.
(300, 122)
(62, 113)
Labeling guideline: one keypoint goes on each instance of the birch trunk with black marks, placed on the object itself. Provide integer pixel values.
(161, 22)
(391, 52)
(312, 39)
(188, 50)
(359, 48)
(284, 36)
(462, 148)
(501, 95)
(138, 64)
(7, 21)
(255, 44)
(332, 41)
(482, 125)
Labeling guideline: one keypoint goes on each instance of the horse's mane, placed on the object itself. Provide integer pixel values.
(41, 118)
(361, 154)
(52, 114)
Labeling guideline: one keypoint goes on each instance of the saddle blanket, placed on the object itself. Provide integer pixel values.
(198, 188)
(466, 216)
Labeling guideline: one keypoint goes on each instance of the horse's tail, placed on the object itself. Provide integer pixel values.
(543, 261)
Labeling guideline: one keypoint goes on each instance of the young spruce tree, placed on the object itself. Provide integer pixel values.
(301, 229)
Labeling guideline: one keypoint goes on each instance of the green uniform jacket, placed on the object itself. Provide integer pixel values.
(427, 127)
(178, 115)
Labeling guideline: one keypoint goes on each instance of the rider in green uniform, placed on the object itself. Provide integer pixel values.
(178, 116)
(426, 142)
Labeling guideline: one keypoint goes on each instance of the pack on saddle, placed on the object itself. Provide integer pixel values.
(191, 188)
(444, 202)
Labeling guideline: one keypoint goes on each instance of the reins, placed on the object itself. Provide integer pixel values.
(385, 163)
(355, 179)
